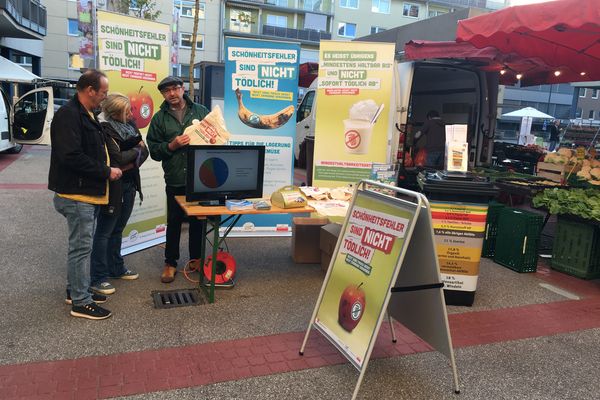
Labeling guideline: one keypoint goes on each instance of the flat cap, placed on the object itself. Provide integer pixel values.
(169, 81)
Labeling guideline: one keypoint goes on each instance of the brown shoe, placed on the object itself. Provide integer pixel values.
(168, 274)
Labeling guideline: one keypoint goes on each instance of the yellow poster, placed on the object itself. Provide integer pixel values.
(134, 54)
(353, 110)
(362, 274)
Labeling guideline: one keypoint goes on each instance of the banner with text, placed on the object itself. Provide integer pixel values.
(353, 112)
(261, 89)
(135, 54)
(362, 274)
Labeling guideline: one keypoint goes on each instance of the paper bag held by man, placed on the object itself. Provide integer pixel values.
(211, 130)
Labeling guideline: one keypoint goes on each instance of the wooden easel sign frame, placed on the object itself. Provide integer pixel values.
(385, 259)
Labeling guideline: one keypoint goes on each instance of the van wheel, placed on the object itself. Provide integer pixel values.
(15, 150)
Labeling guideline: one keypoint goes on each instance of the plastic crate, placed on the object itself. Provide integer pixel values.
(517, 239)
(491, 229)
(576, 249)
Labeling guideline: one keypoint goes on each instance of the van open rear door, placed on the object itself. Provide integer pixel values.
(31, 116)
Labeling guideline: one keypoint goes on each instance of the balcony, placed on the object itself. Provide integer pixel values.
(486, 4)
(307, 36)
(24, 19)
(303, 35)
(302, 6)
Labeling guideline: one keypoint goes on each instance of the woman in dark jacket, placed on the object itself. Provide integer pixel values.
(127, 151)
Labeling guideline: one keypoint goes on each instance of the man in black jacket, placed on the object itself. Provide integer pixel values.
(79, 174)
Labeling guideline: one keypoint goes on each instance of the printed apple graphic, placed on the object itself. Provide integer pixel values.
(142, 108)
(352, 307)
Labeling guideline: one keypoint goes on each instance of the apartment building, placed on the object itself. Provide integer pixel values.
(22, 31)
(587, 101)
(357, 18)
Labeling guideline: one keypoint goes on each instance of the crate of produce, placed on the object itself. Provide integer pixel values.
(576, 248)
(556, 172)
(517, 239)
(491, 229)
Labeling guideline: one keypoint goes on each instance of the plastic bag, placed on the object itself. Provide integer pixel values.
(421, 158)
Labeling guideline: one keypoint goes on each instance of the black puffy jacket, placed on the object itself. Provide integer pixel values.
(78, 157)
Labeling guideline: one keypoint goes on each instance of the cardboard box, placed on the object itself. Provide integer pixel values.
(305, 239)
(328, 240)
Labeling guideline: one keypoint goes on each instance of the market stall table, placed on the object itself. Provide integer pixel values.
(213, 215)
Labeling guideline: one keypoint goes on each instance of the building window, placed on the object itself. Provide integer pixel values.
(376, 29)
(312, 5)
(72, 27)
(280, 3)
(184, 71)
(380, 6)
(435, 13)
(582, 92)
(22, 60)
(591, 114)
(578, 112)
(594, 93)
(75, 61)
(410, 10)
(185, 41)
(349, 3)
(346, 29)
(240, 21)
(277, 20)
(186, 8)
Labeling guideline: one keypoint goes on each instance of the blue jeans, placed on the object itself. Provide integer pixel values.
(107, 261)
(552, 145)
(435, 159)
(81, 221)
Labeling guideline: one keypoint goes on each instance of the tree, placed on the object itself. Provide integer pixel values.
(194, 40)
(145, 9)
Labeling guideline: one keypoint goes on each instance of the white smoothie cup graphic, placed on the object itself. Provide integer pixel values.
(358, 132)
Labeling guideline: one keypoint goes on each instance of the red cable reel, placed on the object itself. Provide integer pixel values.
(225, 268)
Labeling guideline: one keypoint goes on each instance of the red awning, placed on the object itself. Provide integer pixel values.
(564, 35)
(487, 58)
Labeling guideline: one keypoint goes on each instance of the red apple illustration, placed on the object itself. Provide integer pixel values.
(142, 108)
(352, 307)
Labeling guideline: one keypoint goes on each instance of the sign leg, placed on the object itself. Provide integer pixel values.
(391, 321)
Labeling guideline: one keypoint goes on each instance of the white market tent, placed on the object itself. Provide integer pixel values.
(527, 115)
(528, 112)
(14, 73)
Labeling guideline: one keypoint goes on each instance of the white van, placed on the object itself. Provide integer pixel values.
(27, 121)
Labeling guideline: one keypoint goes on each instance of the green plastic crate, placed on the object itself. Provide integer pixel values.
(488, 248)
(517, 239)
(576, 249)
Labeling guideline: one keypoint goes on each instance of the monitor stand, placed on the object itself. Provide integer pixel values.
(212, 203)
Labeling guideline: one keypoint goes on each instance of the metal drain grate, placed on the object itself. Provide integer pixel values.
(176, 298)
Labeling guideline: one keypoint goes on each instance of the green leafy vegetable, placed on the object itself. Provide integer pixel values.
(584, 203)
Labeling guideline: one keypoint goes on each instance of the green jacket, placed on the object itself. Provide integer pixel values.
(163, 129)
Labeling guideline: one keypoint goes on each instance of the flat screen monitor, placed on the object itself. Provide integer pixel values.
(216, 173)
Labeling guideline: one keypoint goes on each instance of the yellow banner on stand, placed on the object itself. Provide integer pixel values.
(353, 113)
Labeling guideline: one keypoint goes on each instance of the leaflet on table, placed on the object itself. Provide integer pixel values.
(330, 208)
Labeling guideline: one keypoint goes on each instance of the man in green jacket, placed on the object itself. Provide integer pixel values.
(167, 144)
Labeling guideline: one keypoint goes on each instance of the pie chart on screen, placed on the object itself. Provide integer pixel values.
(213, 172)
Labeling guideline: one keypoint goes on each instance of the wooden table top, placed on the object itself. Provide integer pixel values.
(193, 209)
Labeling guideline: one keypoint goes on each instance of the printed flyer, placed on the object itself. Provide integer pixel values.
(459, 231)
(353, 113)
(134, 54)
(362, 274)
(261, 90)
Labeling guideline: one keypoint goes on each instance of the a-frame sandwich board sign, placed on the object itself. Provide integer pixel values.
(385, 252)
